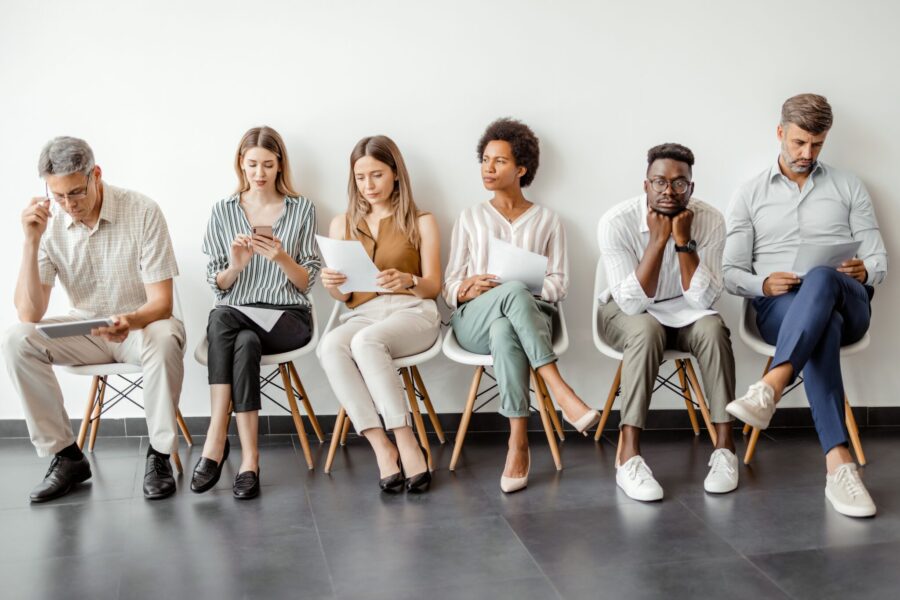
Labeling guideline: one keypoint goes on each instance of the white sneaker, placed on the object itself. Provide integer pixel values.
(723, 472)
(756, 407)
(636, 480)
(847, 494)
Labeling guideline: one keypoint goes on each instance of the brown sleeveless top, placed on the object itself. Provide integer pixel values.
(390, 250)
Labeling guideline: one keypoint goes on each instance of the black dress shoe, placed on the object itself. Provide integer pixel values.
(159, 482)
(246, 485)
(392, 484)
(418, 484)
(207, 471)
(62, 475)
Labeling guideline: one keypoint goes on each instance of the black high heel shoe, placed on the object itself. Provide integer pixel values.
(392, 484)
(207, 471)
(419, 484)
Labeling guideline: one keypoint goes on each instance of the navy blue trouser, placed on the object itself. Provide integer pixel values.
(808, 326)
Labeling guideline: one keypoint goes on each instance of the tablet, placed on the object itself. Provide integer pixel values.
(72, 328)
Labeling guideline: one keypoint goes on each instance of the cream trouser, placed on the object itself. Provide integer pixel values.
(357, 356)
(158, 348)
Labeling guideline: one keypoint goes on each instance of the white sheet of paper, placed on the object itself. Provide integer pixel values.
(810, 256)
(264, 317)
(350, 258)
(511, 263)
(677, 312)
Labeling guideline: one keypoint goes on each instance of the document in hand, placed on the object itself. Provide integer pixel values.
(511, 263)
(350, 258)
(810, 256)
(677, 312)
(71, 328)
(264, 317)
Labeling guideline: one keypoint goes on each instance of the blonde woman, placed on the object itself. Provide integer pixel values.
(404, 243)
(262, 253)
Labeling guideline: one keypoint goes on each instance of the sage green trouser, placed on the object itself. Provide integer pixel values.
(515, 328)
(642, 340)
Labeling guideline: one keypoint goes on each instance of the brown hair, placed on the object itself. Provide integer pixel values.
(267, 138)
(383, 149)
(809, 112)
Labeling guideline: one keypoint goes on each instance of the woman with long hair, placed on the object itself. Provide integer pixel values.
(260, 241)
(357, 356)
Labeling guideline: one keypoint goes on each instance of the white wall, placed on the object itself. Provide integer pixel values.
(163, 92)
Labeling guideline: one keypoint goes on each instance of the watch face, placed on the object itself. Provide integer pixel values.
(692, 245)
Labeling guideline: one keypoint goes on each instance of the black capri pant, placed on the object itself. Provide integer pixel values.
(236, 345)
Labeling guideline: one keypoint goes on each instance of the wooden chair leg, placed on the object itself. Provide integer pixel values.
(184, 428)
(295, 413)
(88, 411)
(310, 414)
(613, 390)
(177, 460)
(335, 438)
(426, 400)
(746, 429)
(98, 409)
(686, 391)
(417, 416)
(701, 400)
(853, 430)
(751, 446)
(466, 417)
(545, 419)
(551, 408)
(345, 431)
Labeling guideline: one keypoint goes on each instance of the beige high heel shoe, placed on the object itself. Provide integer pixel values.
(514, 484)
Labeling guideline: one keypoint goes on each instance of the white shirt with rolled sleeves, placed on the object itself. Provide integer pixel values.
(770, 216)
(104, 269)
(538, 230)
(623, 235)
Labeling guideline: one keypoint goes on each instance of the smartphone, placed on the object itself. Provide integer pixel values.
(262, 231)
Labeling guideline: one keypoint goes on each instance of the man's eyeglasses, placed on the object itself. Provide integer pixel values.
(74, 196)
(679, 186)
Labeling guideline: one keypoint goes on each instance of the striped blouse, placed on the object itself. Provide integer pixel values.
(262, 281)
(538, 230)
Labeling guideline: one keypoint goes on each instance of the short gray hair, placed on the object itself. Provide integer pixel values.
(66, 155)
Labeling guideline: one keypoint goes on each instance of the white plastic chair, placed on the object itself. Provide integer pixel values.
(285, 367)
(545, 408)
(407, 366)
(750, 335)
(130, 374)
(684, 369)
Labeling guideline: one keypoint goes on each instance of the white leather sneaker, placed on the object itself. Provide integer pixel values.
(509, 485)
(723, 472)
(847, 494)
(636, 480)
(756, 407)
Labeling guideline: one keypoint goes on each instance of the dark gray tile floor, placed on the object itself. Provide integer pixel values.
(571, 534)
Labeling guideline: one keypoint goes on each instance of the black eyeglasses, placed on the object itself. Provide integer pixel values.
(71, 196)
(679, 186)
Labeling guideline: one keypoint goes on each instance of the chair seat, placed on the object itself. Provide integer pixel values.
(401, 362)
(104, 369)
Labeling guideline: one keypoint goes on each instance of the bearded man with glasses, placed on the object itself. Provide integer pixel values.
(110, 248)
(665, 246)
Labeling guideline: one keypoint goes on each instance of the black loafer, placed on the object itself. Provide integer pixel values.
(246, 485)
(159, 482)
(63, 474)
(207, 471)
(392, 484)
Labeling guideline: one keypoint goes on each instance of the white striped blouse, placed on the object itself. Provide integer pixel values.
(538, 230)
(262, 281)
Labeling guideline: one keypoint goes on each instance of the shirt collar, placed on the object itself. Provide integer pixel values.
(234, 198)
(107, 209)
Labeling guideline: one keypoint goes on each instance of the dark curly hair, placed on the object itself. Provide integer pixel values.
(673, 151)
(525, 145)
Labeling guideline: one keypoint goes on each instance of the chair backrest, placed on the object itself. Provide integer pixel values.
(600, 284)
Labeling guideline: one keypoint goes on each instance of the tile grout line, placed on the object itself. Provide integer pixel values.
(531, 556)
(733, 547)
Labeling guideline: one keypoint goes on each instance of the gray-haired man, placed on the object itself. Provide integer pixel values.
(111, 250)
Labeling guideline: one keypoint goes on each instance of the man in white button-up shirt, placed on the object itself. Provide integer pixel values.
(665, 245)
(800, 199)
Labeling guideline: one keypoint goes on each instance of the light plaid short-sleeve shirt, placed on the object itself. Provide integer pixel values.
(104, 269)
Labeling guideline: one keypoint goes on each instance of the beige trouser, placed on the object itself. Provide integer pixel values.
(642, 340)
(158, 348)
(357, 356)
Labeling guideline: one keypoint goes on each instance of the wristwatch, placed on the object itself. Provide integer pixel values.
(415, 282)
(691, 246)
